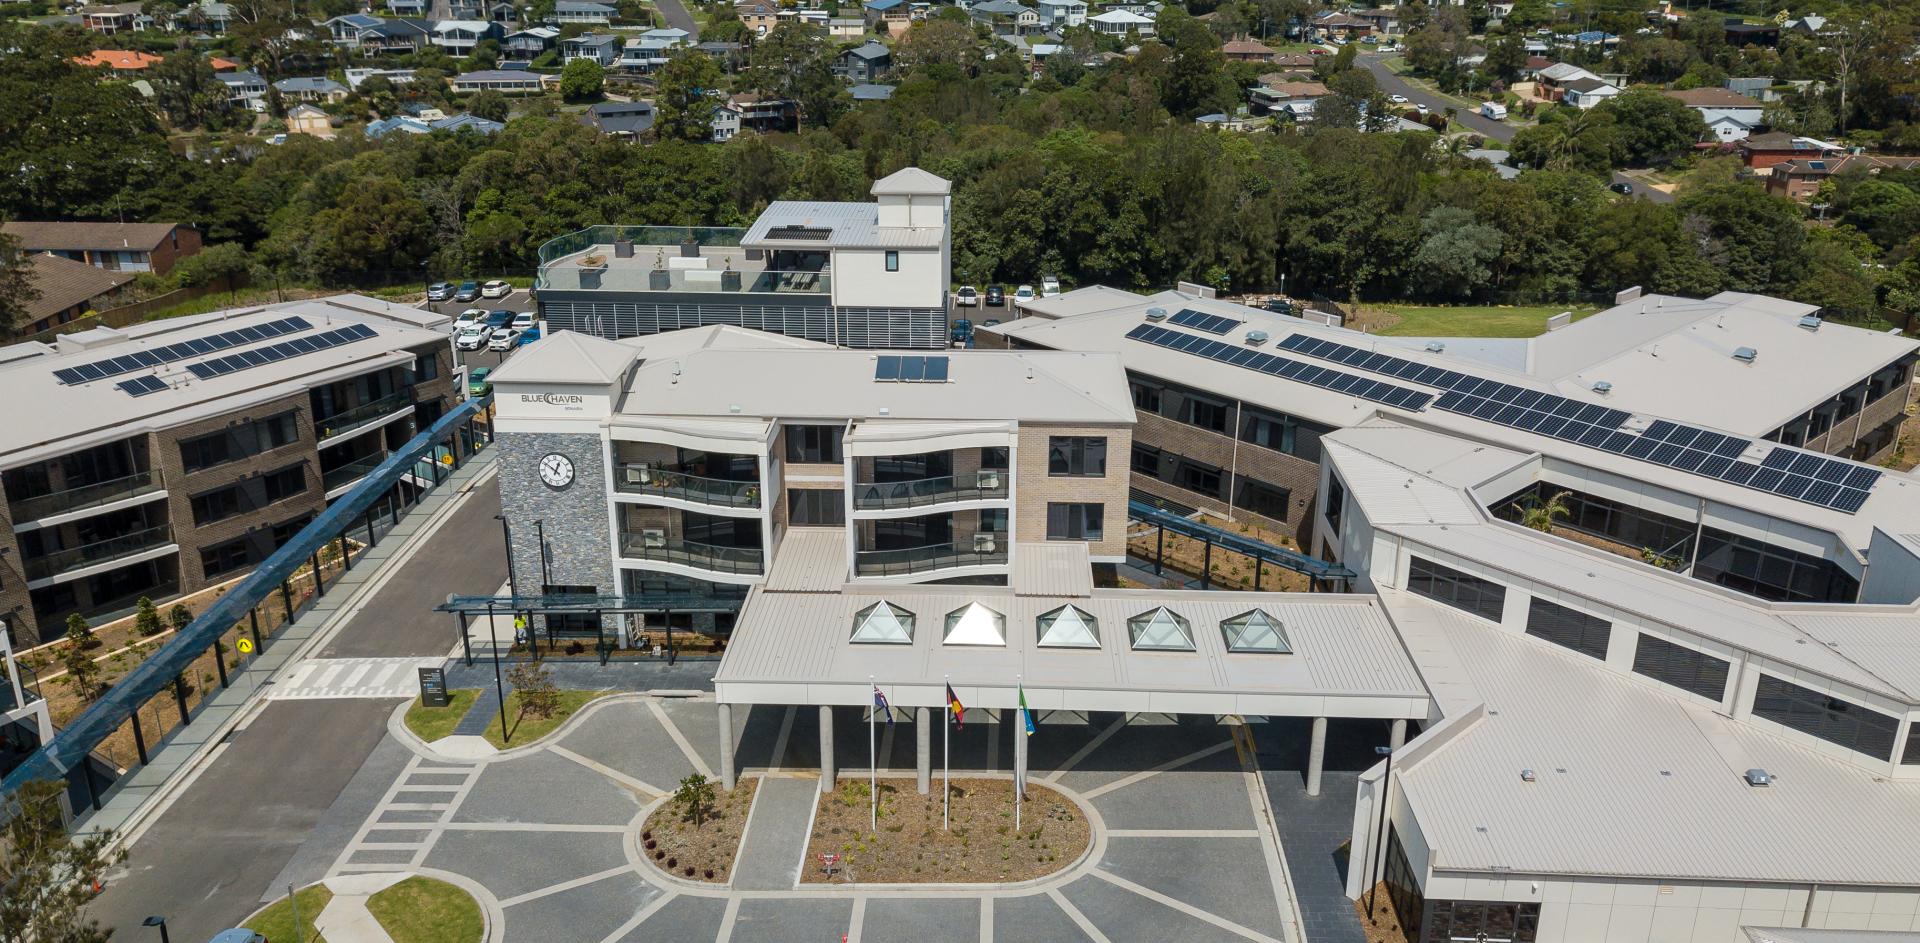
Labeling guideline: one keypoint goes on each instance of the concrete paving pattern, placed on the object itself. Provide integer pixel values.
(352, 677)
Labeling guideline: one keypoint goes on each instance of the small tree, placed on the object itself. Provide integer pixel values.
(82, 672)
(534, 685)
(46, 877)
(146, 620)
(1541, 515)
(179, 617)
(695, 797)
(581, 79)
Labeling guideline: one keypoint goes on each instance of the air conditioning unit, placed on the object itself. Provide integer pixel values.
(983, 543)
(987, 479)
(1256, 338)
(653, 538)
(1746, 355)
(639, 474)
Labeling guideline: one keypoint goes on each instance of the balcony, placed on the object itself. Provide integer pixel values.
(114, 548)
(711, 557)
(352, 471)
(29, 685)
(893, 495)
(719, 492)
(361, 416)
(97, 494)
(912, 560)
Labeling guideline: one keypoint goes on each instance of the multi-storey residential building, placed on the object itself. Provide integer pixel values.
(717, 458)
(127, 247)
(853, 274)
(169, 456)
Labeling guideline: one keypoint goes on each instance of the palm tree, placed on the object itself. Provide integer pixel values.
(1541, 515)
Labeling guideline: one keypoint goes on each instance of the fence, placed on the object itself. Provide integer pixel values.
(330, 539)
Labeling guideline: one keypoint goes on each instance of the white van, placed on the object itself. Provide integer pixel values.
(1494, 110)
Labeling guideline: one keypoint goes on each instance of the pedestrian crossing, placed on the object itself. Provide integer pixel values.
(409, 819)
(318, 678)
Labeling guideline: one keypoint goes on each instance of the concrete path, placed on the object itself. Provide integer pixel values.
(346, 918)
(776, 836)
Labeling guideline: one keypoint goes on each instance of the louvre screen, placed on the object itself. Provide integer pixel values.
(1568, 627)
(1827, 717)
(1483, 598)
(1681, 667)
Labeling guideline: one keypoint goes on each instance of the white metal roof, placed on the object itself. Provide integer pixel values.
(849, 225)
(1053, 568)
(809, 560)
(1081, 301)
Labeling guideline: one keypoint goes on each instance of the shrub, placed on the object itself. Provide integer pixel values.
(146, 619)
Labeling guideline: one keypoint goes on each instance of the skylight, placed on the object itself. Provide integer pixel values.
(883, 623)
(1068, 627)
(975, 624)
(1161, 630)
(1255, 631)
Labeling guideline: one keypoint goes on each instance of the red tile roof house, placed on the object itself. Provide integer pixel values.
(124, 247)
(1800, 178)
(1246, 50)
(1761, 151)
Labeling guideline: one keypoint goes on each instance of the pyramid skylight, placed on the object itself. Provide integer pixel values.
(1161, 630)
(975, 624)
(1255, 631)
(1068, 627)
(883, 623)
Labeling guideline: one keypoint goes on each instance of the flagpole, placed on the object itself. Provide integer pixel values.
(946, 751)
(1020, 751)
(873, 770)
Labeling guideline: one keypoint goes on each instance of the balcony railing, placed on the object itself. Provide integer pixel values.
(637, 275)
(645, 479)
(29, 685)
(688, 553)
(347, 420)
(85, 496)
(353, 471)
(559, 247)
(112, 548)
(889, 495)
(925, 559)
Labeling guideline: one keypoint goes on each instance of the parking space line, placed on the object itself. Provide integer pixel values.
(531, 827)
(1124, 782)
(1183, 833)
(693, 756)
(639, 918)
(1086, 751)
(727, 919)
(1079, 919)
(623, 779)
(986, 920)
(857, 922)
(552, 889)
(1182, 906)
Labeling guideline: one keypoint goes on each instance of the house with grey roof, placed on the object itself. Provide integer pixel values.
(627, 121)
(864, 63)
(584, 11)
(601, 48)
(315, 88)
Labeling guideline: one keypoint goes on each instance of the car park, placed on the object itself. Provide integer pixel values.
(472, 338)
(1049, 286)
(967, 296)
(496, 289)
(469, 318)
(440, 291)
(503, 339)
(996, 295)
(1023, 294)
(469, 291)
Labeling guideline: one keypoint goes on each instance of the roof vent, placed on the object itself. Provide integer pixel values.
(1527, 776)
(1759, 777)
(1156, 314)
(1746, 355)
(1602, 387)
(1256, 338)
(1810, 321)
(1436, 347)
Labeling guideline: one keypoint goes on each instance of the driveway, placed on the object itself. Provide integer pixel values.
(677, 16)
(1395, 85)
(1641, 188)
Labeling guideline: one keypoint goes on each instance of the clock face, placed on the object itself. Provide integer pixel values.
(556, 470)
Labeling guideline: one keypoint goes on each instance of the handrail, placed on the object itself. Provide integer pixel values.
(561, 246)
(887, 495)
(347, 420)
(725, 492)
(73, 499)
(355, 469)
(695, 554)
(907, 560)
(100, 551)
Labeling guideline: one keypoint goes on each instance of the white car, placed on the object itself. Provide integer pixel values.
(496, 289)
(967, 296)
(522, 321)
(469, 318)
(1421, 108)
(1049, 286)
(504, 338)
(1023, 294)
(472, 338)
(1397, 99)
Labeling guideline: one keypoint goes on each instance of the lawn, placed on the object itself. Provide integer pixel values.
(276, 922)
(1468, 320)
(423, 910)
(529, 729)
(434, 723)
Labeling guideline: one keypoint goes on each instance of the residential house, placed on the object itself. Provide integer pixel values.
(865, 62)
(627, 121)
(207, 16)
(1758, 87)
(1294, 60)
(529, 43)
(766, 113)
(391, 76)
(1551, 81)
(412, 8)
(1245, 50)
(1337, 25)
(726, 121)
(1763, 151)
(871, 93)
(244, 89)
(504, 81)
(894, 14)
(1594, 37)
(1384, 20)
(846, 28)
(1729, 116)
(504, 13)
(1222, 122)
(1056, 15)
(466, 121)
(1275, 95)
(315, 88)
(1498, 159)
(599, 47)
(1800, 178)
(759, 16)
(1006, 17)
(1808, 25)
(458, 37)
(409, 124)
(584, 11)
(466, 9)
(68, 289)
(370, 34)
(1584, 93)
(1531, 69)
(729, 55)
(120, 61)
(110, 19)
(120, 247)
(1741, 33)
(346, 29)
(646, 53)
(222, 65)
(310, 120)
(1120, 23)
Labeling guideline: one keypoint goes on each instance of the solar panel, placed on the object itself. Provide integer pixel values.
(141, 386)
(254, 357)
(141, 359)
(1202, 321)
(893, 368)
(1384, 393)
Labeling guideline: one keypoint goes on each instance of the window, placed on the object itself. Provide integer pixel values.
(225, 557)
(1146, 396)
(817, 507)
(1681, 667)
(1198, 477)
(893, 261)
(1334, 501)
(1911, 755)
(1067, 521)
(426, 366)
(285, 530)
(216, 505)
(1281, 433)
(1482, 920)
(205, 452)
(284, 483)
(1263, 499)
(1463, 591)
(1568, 627)
(813, 444)
(240, 441)
(1759, 569)
(1827, 717)
(1205, 412)
(997, 457)
(1076, 456)
(1146, 460)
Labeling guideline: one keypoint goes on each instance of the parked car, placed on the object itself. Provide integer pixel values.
(1279, 306)
(496, 289)
(1049, 286)
(1421, 108)
(1621, 187)
(472, 338)
(1023, 294)
(1397, 99)
(237, 936)
(966, 297)
(469, 291)
(990, 322)
(503, 339)
(962, 330)
(996, 295)
(477, 385)
(469, 318)
(440, 291)
(522, 321)
(500, 318)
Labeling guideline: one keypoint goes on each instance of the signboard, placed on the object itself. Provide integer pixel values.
(433, 687)
(245, 646)
(827, 862)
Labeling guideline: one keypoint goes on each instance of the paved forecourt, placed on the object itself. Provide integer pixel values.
(547, 835)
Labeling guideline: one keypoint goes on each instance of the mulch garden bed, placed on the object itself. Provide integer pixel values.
(670, 840)
(1185, 555)
(911, 848)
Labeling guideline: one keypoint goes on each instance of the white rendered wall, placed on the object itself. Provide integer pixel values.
(861, 279)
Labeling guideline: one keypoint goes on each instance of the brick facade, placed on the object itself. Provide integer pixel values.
(1034, 489)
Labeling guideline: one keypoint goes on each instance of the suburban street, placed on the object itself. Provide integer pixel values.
(677, 16)
(1395, 85)
(1640, 187)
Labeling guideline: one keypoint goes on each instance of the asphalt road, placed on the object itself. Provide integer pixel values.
(208, 860)
(1641, 189)
(677, 16)
(1395, 85)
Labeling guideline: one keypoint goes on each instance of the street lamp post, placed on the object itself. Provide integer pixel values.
(161, 922)
(499, 687)
(1377, 852)
(513, 582)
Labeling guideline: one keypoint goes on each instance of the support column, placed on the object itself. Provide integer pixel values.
(826, 748)
(1316, 755)
(727, 775)
(923, 749)
(1398, 738)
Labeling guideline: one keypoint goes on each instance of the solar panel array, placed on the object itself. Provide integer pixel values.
(1790, 473)
(1241, 356)
(909, 369)
(1202, 321)
(141, 386)
(159, 356)
(257, 356)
